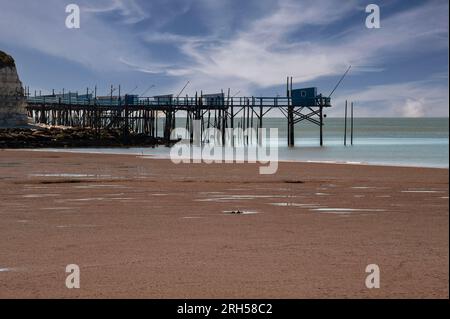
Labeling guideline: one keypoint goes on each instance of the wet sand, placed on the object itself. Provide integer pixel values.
(148, 228)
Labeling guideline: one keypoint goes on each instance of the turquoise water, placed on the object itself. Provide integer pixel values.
(387, 141)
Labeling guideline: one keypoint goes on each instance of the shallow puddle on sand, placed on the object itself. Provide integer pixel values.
(345, 210)
(76, 226)
(336, 212)
(68, 175)
(363, 187)
(36, 187)
(57, 208)
(206, 193)
(141, 201)
(99, 186)
(40, 195)
(10, 164)
(287, 204)
(5, 269)
(18, 209)
(322, 194)
(422, 191)
(61, 175)
(13, 204)
(267, 188)
(79, 199)
(398, 205)
(242, 212)
(225, 198)
(93, 199)
(351, 209)
(256, 196)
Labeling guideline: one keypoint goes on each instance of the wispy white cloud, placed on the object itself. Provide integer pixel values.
(263, 54)
(130, 11)
(408, 99)
(95, 45)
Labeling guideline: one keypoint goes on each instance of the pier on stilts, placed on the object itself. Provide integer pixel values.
(133, 113)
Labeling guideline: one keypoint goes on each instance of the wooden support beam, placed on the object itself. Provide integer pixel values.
(321, 125)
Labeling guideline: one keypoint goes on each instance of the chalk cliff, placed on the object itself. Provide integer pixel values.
(12, 102)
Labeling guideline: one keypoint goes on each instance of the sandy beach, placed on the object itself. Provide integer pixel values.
(147, 228)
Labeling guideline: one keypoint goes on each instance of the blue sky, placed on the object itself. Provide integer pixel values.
(249, 46)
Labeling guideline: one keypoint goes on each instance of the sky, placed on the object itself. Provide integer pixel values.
(398, 70)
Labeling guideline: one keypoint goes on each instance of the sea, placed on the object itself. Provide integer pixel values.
(417, 142)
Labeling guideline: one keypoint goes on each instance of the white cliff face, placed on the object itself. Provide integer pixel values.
(12, 104)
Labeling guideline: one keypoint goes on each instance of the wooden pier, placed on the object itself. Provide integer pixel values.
(144, 114)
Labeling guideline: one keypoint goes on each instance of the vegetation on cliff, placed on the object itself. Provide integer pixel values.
(6, 60)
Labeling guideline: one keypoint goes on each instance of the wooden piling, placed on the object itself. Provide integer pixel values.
(321, 124)
(290, 116)
(345, 124)
(351, 124)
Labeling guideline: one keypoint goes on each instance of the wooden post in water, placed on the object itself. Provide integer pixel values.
(290, 116)
(223, 120)
(228, 115)
(156, 123)
(321, 122)
(251, 119)
(126, 126)
(173, 125)
(288, 123)
(351, 124)
(260, 125)
(247, 123)
(345, 124)
(232, 122)
(167, 125)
